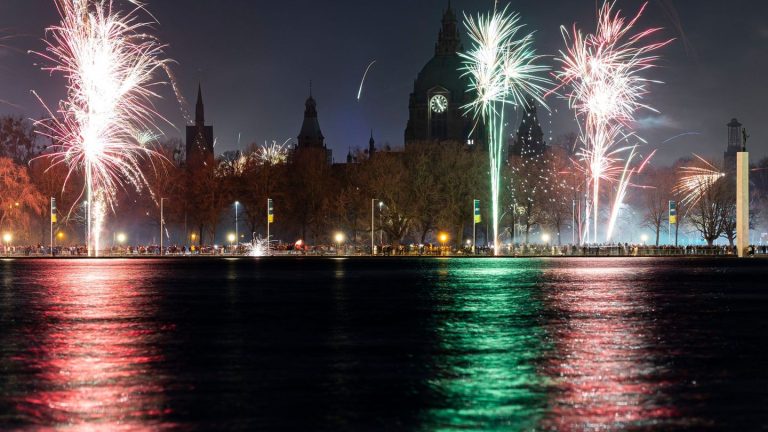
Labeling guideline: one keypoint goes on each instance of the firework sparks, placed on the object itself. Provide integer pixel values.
(502, 71)
(695, 181)
(259, 247)
(273, 154)
(110, 64)
(601, 72)
(360, 92)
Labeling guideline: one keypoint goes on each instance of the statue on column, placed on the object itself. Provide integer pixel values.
(744, 140)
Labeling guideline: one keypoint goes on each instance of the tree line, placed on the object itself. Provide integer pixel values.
(400, 197)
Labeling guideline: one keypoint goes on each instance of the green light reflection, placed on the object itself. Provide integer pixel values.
(488, 339)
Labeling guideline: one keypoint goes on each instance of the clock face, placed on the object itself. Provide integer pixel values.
(438, 104)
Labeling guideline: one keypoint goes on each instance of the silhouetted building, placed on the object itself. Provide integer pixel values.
(529, 140)
(199, 145)
(371, 146)
(310, 137)
(734, 146)
(440, 92)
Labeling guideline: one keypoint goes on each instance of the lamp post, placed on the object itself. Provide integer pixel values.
(7, 237)
(162, 224)
(381, 231)
(443, 239)
(373, 203)
(237, 231)
(339, 237)
(120, 237)
(231, 238)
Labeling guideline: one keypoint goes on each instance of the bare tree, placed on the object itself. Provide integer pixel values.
(707, 215)
(657, 190)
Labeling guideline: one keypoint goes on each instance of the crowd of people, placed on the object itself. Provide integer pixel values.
(518, 250)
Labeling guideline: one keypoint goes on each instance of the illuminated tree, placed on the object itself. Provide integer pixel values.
(19, 199)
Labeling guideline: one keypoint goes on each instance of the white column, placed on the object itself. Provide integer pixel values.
(742, 202)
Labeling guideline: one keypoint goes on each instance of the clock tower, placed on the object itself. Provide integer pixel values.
(440, 92)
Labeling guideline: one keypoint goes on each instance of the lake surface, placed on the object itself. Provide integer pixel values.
(384, 344)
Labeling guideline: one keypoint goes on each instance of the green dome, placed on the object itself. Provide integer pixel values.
(444, 71)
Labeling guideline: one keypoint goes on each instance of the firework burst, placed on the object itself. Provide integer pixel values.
(601, 73)
(695, 181)
(502, 71)
(273, 154)
(110, 63)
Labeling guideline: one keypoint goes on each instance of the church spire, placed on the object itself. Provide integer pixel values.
(199, 109)
(371, 145)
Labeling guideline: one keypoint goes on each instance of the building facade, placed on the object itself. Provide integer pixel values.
(440, 92)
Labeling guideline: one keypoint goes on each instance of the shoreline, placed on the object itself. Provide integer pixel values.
(361, 257)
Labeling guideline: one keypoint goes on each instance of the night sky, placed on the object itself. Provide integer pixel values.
(255, 59)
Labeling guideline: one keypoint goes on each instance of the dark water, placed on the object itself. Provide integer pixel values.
(433, 344)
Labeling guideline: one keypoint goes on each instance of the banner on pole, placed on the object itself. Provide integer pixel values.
(270, 211)
(478, 218)
(672, 212)
(54, 218)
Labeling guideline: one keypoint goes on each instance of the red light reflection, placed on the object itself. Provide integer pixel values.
(95, 351)
(603, 367)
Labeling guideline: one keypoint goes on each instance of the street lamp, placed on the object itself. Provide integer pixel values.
(162, 224)
(545, 238)
(442, 237)
(231, 237)
(237, 231)
(7, 237)
(381, 231)
(339, 237)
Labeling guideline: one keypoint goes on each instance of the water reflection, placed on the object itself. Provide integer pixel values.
(405, 344)
(488, 341)
(606, 374)
(93, 349)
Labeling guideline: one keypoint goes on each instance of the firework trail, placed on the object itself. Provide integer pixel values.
(671, 13)
(110, 64)
(601, 72)
(680, 136)
(623, 184)
(360, 91)
(502, 71)
(695, 181)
